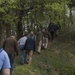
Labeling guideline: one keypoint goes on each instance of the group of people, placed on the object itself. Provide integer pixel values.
(25, 46)
(30, 43)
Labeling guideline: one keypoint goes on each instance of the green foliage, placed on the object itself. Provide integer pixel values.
(2, 10)
(6, 11)
(41, 12)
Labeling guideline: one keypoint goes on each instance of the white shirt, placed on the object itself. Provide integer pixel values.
(22, 40)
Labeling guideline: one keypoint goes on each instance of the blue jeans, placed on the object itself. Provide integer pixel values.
(11, 58)
(23, 56)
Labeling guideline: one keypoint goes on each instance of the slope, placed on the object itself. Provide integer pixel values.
(58, 59)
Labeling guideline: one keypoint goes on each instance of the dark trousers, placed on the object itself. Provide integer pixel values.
(23, 55)
(52, 35)
(11, 58)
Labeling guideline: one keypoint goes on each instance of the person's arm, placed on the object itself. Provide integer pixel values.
(18, 42)
(6, 71)
(16, 47)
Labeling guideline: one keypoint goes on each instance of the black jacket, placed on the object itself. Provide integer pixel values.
(30, 44)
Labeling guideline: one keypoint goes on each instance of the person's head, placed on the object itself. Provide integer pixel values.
(39, 29)
(43, 29)
(13, 36)
(31, 32)
(25, 34)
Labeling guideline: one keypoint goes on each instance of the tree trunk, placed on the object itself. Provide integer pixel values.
(19, 29)
(8, 30)
(2, 34)
(19, 26)
(71, 18)
(21, 14)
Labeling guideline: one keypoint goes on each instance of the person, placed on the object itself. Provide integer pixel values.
(39, 40)
(29, 47)
(4, 63)
(21, 43)
(11, 47)
(32, 35)
(45, 38)
(52, 28)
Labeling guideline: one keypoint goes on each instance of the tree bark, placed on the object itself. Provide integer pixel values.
(19, 29)
(21, 14)
(2, 34)
(19, 26)
(8, 30)
(71, 18)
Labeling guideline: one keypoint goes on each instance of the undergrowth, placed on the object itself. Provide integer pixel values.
(58, 59)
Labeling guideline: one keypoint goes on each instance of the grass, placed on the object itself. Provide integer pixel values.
(58, 59)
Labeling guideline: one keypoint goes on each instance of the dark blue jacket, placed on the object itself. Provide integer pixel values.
(53, 27)
(30, 44)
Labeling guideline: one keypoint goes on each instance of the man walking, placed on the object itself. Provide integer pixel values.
(11, 47)
(45, 38)
(4, 63)
(21, 43)
(39, 40)
(30, 47)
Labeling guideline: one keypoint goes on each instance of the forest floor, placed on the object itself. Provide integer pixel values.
(58, 59)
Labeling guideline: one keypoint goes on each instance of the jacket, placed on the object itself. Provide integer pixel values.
(30, 44)
(10, 46)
